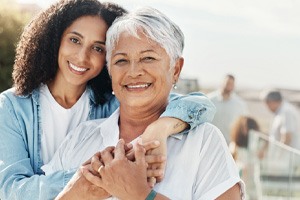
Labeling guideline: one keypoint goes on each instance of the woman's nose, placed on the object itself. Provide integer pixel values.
(135, 69)
(83, 55)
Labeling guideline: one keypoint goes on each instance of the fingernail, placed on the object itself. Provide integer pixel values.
(140, 141)
(156, 142)
(122, 140)
(129, 145)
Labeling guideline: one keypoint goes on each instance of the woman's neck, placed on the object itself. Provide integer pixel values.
(133, 121)
(65, 95)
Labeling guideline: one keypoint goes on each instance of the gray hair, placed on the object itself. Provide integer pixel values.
(154, 24)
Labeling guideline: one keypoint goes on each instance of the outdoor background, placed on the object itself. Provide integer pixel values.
(258, 41)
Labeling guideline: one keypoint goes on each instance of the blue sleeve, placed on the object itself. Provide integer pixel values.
(19, 178)
(194, 108)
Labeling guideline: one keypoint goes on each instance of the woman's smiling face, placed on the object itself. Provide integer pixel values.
(141, 72)
(81, 54)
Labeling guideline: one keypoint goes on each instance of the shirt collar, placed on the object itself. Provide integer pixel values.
(109, 130)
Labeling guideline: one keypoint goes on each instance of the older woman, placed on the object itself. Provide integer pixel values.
(144, 50)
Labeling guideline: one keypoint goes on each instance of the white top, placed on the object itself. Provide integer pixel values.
(57, 121)
(199, 164)
(227, 111)
(287, 120)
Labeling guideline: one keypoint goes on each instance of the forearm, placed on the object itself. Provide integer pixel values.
(194, 108)
(35, 187)
(80, 188)
(182, 112)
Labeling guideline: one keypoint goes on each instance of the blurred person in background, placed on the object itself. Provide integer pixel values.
(229, 106)
(240, 150)
(285, 127)
(240, 135)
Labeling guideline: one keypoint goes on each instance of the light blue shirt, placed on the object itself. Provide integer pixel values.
(21, 176)
(199, 164)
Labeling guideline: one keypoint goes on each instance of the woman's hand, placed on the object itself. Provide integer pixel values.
(123, 178)
(96, 160)
(153, 160)
(80, 188)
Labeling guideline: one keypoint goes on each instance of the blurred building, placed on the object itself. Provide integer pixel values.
(186, 85)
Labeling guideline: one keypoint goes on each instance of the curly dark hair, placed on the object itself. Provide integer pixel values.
(36, 59)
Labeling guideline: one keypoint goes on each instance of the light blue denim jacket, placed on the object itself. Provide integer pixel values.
(21, 176)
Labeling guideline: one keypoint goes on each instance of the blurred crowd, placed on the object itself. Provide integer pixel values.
(237, 124)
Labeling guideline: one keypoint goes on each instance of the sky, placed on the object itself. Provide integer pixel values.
(258, 41)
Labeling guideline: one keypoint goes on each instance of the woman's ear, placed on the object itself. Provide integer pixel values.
(177, 68)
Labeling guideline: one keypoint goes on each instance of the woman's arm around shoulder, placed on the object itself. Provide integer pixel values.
(194, 108)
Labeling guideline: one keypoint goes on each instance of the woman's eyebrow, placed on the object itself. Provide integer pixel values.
(81, 36)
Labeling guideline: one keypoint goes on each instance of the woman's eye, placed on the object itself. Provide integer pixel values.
(121, 61)
(74, 40)
(148, 59)
(99, 49)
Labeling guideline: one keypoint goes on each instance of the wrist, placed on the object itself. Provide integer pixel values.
(172, 125)
(151, 196)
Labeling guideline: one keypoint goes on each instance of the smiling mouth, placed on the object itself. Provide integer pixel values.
(138, 86)
(79, 69)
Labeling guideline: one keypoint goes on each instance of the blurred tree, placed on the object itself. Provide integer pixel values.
(12, 21)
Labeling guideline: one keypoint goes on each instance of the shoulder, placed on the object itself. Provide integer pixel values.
(215, 96)
(8, 94)
(209, 135)
(9, 99)
(237, 98)
(208, 129)
(289, 111)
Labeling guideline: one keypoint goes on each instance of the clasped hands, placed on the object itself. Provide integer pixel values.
(126, 171)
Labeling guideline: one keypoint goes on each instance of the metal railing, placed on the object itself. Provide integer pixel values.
(272, 168)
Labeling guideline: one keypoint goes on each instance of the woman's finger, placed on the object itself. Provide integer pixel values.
(90, 177)
(96, 163)
(130, 155)
(107, 155)
(151, 181)
(139, 152)
(158, 159)
(128, 147)
(151, 145)
(120, 150)
(155, 173)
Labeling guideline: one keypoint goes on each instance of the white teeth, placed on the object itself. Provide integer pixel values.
(138, 86)
(77, 68)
